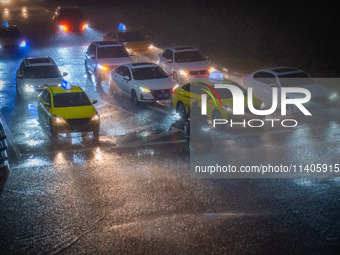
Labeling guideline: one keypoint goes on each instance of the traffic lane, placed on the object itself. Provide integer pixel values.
(155, 207)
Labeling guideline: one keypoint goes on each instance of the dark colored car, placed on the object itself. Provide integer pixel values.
(3, 147)
(70, 19)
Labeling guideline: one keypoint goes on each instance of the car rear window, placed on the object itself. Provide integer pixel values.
(71, 99)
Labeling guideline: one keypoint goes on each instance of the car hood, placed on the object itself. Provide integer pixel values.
(193, 66)
(77, 112)
(137, 44)
(157, 84)
(43, 82)
(316, 91)
(114, 61)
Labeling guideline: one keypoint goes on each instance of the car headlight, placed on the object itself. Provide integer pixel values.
(104, 68)
(205, 128)
(211, 70)
(182, 72)
(333, 96)
(174, 89)
(58, 120)
(29, 88)
(151, 46)
(95, 117)
(144, 89)
(228, 109)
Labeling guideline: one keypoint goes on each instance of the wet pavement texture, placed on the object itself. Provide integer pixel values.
(132, 192)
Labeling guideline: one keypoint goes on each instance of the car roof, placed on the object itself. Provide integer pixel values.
(61, 90)
(182, 48)
(281, 70)
(41, 61)
(107, 43)
(141, 64)
(211, 82)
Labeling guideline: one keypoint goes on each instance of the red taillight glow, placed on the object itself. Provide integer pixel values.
(84, 26)
(63, 27)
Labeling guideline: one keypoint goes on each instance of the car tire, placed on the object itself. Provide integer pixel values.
(180, 109)
(134, 98)
(96, 134)
(54, 133)
(216, 115)
(113, 91)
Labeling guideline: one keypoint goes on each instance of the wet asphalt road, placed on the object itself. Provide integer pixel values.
(132, 193)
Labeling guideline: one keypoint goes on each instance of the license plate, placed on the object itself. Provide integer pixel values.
(199, 76)
(163, 95)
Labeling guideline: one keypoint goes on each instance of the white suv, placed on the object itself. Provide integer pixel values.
(35, 74)
(103, 56)
(184, 63)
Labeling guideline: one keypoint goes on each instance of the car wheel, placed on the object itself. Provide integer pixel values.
(54, 133)
(113, 90)
(98, 80)
(134, 98)
(216, 115)
(180, 109)
(175, 77)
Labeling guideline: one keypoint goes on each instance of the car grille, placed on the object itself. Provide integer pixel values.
(198, 72)
(75, 122)
(161, 94)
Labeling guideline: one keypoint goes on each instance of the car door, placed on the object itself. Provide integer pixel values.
(118, 77)
(90, 57)
(165, 60)
(126, 81)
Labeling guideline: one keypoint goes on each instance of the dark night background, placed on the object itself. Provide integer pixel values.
(244, 35)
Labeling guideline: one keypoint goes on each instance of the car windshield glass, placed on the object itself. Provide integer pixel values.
(40, 72)
(9, 33)
(71, 99)
(130, 36)
(148, 73)
(295, 80)
(112, 52)
(188, 56)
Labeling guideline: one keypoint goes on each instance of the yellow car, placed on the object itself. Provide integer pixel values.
(66, 109)
(219, 101)
(133, 40)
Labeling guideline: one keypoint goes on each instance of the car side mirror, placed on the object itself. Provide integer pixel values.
(169, 60)
(47, 105)
(65, 74)
(127, 78)
(170, 74)
(19, 76)
(92, 56)
(131, 53)
(94, 101)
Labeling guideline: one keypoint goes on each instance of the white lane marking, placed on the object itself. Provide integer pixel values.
(10, 138)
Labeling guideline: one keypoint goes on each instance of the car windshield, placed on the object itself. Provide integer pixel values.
(40, 72)
(295, 79)
(188, 56)
(10, 33)
(71, 99)
(112, 52)
(148, 73)
(130, 36)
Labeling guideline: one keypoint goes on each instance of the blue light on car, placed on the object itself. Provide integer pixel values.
(23, 44)
(216, 76)
(65, 85)
(5, 24)
(122, 27)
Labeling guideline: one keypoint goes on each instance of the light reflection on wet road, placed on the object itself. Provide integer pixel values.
(120, 196)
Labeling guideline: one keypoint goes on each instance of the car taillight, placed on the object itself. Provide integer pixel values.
(63, 27)
(84, 26)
